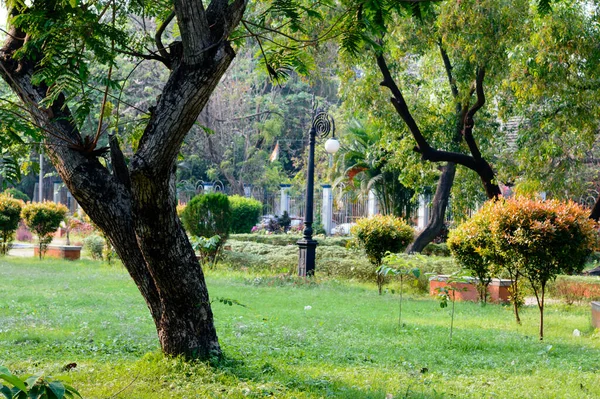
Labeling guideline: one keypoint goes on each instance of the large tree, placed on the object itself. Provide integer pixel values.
(45, 59)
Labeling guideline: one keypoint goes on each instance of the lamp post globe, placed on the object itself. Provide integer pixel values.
(332, 145)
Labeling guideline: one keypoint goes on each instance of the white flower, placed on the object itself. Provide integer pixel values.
(307, 307)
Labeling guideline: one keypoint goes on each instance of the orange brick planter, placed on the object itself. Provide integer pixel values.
(596, 314)
(498, 289)
(69, 252)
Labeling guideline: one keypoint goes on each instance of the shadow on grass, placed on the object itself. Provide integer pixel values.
(293, 383)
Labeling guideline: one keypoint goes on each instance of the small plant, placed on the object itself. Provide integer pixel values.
(208, 248)
(401, 269)
(284, 221)
(448, 293)
(37, 386)
(10, 214)
(44, 218)
(379, 235)
(94, 244)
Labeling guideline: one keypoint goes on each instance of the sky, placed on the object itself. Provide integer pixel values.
(2, 15)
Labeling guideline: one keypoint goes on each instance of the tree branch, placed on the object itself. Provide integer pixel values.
(468, 123)
(158, 37)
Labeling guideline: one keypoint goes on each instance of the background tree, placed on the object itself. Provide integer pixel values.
(469, 41)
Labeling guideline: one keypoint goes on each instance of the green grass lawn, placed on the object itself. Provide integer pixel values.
(347, 345)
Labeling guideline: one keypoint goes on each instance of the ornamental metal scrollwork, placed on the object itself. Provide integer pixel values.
(323, 124)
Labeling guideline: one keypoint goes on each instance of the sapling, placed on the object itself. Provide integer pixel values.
(448, 292)
(402, 269)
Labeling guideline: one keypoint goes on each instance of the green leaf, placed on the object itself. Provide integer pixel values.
(11, 379)
(71, 390)
(6, 391)
(57, 388)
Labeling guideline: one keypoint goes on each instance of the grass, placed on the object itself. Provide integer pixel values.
(346, 345)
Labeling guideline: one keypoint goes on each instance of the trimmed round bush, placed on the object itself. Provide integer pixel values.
(245, 213)
(10, 214)
(207, 215)
(380, 234)
(44, 218)
(17, 194)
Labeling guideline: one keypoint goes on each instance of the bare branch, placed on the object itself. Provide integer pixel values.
(158, 37)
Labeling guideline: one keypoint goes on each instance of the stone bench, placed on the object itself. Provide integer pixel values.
(69, 252)
(467, 291)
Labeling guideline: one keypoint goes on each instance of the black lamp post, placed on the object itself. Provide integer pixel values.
(322, 125)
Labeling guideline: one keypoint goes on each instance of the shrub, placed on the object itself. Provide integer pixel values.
(94, 244)
(284, 221)
(471, 245)
(10, 214)
(381, 234)
(245, 213)
(43, 218)
(534, 239)
(433, 249)
(207, 215)
(17, 194)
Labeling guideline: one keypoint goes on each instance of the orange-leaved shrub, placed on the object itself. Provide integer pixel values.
(534, 239)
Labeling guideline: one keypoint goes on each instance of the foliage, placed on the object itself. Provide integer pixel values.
(207, 215)
(290, 239)
(448, 293)
(94, 244)
(44, 218)
(208, 248)
(364, 158)
(381, 234)
(245, 212)
(37, 386)
(10, 215)
(523, 237)
(284, 221)
(17, 194)
(399, 265)
(433, 249)
(471, 245)
(573, 290)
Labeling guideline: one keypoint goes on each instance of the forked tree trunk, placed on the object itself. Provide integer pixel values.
(438, 210)
(135, 206)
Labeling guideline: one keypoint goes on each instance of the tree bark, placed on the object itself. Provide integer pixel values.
(135, 207)
(438, 210)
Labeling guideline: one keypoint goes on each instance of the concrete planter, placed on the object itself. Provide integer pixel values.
(69, 252)
(467, 291)
(596, 314)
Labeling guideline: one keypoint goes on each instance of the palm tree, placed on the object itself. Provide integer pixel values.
(363, 158)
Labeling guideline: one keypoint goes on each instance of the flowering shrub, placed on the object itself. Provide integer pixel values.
(381, 234)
